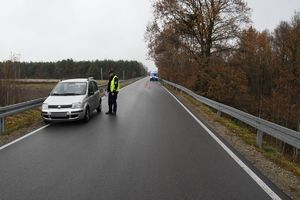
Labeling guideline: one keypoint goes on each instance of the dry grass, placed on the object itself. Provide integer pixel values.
(18, 125)
(15, 122)
(102, 82)
(33, 91)
(45, 86)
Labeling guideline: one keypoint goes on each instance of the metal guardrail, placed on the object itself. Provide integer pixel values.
(284, 134)
(17, 108)
(24, 106)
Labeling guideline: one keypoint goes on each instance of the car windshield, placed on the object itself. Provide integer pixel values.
(153, 74)
(69, 88)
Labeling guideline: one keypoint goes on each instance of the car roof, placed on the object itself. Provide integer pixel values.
(77, 80)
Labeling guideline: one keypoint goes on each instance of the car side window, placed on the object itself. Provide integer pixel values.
(95, 86)
(91, 87)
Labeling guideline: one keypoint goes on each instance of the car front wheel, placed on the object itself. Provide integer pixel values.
(87, 115)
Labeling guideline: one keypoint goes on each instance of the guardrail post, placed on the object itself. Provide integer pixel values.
(2, 125)
(295, 153)
(219, 114)
(259, 138)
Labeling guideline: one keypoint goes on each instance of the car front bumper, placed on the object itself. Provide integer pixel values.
(62, 114)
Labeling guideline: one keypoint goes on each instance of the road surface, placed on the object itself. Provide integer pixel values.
(152, 150)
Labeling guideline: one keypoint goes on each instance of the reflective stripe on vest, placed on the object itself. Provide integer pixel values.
(112, 85)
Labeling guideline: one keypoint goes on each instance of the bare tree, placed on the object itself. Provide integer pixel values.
(9, 72)
(204, 27)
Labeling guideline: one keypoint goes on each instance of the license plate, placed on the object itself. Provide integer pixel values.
(58, 114)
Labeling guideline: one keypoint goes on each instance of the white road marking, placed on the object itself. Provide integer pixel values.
(260, 182)
(23, 137)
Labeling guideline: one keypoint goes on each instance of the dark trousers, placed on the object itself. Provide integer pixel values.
(112, 102)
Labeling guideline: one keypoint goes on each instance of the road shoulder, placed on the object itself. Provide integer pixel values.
(285, 180)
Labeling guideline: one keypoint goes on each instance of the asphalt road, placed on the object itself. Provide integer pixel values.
(153, 149)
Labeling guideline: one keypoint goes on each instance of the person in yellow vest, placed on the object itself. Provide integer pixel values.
(113, 88)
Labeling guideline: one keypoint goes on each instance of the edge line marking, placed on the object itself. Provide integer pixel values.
(23, 137)
(258, 180)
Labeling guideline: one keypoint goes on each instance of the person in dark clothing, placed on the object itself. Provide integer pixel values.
(113, 89)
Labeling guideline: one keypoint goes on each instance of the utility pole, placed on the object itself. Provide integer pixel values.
(101, 74)
(123, 75)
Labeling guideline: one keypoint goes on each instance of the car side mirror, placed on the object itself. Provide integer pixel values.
(91, 93)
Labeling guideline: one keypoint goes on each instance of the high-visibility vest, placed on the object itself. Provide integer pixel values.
(112, 85)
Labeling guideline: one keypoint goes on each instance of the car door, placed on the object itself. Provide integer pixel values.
(91, 94)
(97, 94)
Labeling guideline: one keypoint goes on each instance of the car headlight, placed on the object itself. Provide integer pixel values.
(77, 105)
(44, 106)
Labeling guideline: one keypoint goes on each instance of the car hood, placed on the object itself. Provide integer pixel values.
(63, 100)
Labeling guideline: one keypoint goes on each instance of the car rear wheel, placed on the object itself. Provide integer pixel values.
(87, 115)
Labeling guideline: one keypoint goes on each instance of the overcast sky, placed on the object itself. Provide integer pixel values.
(51, 30)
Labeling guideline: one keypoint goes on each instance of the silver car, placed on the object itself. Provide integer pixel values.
(73, 99)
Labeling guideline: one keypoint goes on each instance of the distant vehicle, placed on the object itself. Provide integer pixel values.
(153, 76)
(73, 99)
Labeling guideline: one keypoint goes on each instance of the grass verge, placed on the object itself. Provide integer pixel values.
(20, 124)
(22, 120)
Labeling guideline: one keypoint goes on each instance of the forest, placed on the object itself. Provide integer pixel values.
(71, 69)
(211, 47)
